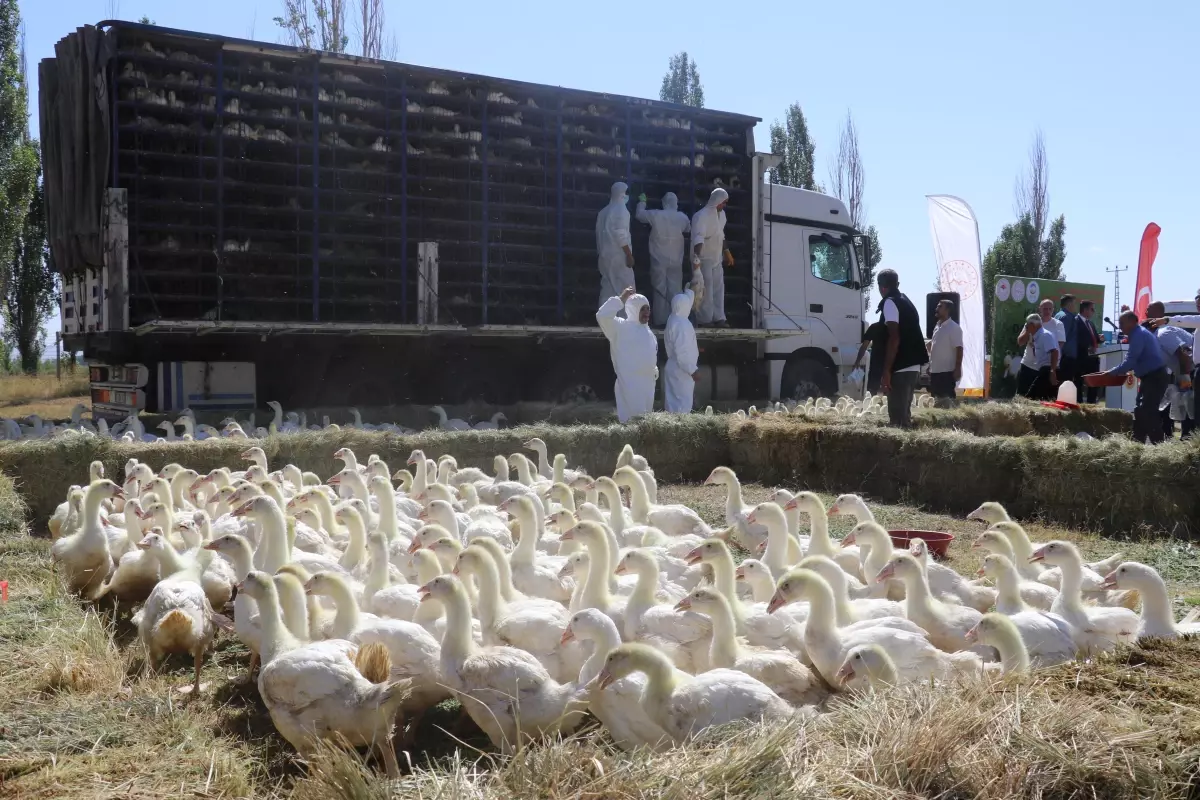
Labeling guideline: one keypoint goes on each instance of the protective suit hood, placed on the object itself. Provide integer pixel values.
(670, 202)
(717, 197)
(618, 193)
(681, 305)
(634, 306)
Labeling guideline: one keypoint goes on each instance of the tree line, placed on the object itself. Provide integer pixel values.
(27, 281)
(791, 140)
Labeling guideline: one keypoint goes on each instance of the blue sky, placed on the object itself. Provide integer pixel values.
(946, 96)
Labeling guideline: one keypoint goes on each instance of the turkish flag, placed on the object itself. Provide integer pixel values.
(1145, 283)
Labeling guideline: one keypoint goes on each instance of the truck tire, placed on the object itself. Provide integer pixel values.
(806, 377)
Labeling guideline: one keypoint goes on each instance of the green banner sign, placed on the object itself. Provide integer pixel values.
(1014, 299)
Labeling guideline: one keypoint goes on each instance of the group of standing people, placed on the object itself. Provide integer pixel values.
(1062, 348)
(632, 344)
(1059, 348)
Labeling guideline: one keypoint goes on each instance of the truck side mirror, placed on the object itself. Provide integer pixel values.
(862, 247)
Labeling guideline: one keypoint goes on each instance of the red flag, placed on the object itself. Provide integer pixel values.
(1145, 283)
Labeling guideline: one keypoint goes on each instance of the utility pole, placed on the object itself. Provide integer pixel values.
(1116, 273)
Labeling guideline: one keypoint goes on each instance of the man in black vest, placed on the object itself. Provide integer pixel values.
(905, 348)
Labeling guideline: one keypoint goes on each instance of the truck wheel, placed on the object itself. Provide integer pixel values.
(804, 378)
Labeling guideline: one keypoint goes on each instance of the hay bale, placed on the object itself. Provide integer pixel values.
(681, 447)
(1111, 485)
(12, 507)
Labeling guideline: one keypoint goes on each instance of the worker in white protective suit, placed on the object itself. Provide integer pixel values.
(683, 353)
(709, 253)
(613, 244)
(667, 244)
(634, 350)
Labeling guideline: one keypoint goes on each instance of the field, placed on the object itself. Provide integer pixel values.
(44, 395)
(78, 720)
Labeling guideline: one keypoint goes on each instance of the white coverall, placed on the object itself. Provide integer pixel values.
(682, 356)
(634, 350)
(667, 227)
(708, 230)
(612, 236)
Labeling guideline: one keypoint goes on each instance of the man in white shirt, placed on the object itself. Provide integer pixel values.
(1055, 326)
(1039, 365)
(945, 356)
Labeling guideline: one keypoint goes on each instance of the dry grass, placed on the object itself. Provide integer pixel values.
(18, 390)
(77, 719)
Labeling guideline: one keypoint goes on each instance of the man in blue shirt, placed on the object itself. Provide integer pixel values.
(1145, 360)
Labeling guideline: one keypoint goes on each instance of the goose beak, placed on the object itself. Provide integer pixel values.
(605, 678)
(1110, 581)
(751, 518)
(976, 545)
(242, 510)
(568, 535)
(694, 557)
(833, 511)
(455, 571)
(209, 546)
(684, 605)
(790, 505)
(241, 586)
(414, 546)
(778, 601)
(620, 570)
(423, 594)
(981, 572)
(1038, 555)
(590, 487)
(336, 480)
(851, 538)
(568, 634)
(118, 494)
(973, 634)
(761, 549)
(885, 573)
(740, 573)
(423, 514)
(566, 571)
(845, 673)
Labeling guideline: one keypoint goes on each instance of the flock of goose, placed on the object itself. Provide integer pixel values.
(539, 597)
(187, 429)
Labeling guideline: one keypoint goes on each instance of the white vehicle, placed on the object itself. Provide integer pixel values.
(809, 289)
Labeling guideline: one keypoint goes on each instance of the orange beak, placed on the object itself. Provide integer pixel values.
(684, 604)
(567, 636)
(778, 601)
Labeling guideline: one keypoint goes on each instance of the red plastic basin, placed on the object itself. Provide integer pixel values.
(938, 541)
(1103, 379)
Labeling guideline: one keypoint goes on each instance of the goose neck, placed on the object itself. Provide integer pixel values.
(356, 548)
(596, 592)
(821, 614)
(819, 542)
(378, 577)
(725, 581)
(1071, 588)
(1008, 589)
(775, 557)
(274, 541)
(348, 617)
(723, 652)
(491, 604)
(1014, 658)
(661, 682)
(275, 637)
(242, 559)
(531, 533)
(457, 644)
(169, 560)
(639, 500)
(603, 642)
(1156, 607)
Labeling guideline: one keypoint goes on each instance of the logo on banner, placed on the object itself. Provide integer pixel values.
(1003, 290)
(960, 276)
(1018, 291)
(1032, 292)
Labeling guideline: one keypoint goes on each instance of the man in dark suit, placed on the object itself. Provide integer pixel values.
(1088, 340)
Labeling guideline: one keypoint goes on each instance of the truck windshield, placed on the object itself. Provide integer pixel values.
(831, 260)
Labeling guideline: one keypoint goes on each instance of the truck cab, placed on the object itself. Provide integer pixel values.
(811, 286)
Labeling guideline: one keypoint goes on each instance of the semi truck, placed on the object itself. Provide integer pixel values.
(236, 222)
